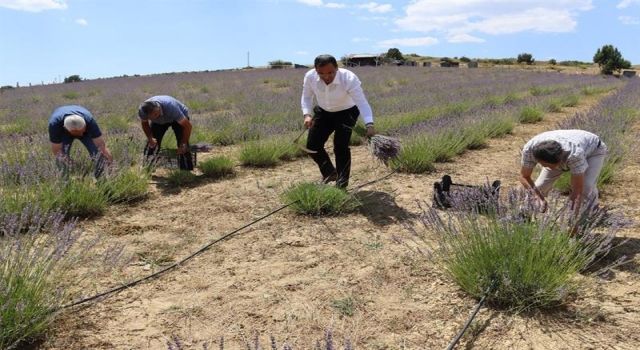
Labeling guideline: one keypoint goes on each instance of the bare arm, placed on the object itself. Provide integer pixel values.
(527, 182)
(186, 130)
(577, 189)
(147, 129)
(186, 134)
(56, 148)
(102, 146)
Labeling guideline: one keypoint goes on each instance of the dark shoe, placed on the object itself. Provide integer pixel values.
(342, 184)
(330, 178)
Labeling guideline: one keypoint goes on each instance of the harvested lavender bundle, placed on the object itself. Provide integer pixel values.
(384, 148)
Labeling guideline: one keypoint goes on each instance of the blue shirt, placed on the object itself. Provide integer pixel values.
(57, 132)
(172, 110)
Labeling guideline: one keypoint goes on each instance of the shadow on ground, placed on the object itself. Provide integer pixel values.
(381, 208)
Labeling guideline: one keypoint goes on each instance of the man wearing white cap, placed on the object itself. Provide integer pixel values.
(76, 122)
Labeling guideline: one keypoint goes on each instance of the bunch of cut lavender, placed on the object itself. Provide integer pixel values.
(384, 148)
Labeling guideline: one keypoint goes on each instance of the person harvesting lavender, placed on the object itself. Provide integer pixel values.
(339, 101)
(71, 122)
(580, 152)
(157, 114)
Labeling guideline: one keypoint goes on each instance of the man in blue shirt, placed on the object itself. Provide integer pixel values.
(76, 122)
(159, 113)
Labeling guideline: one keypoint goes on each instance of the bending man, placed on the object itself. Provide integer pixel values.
(577, 151)
(159, 113)
(76, 122)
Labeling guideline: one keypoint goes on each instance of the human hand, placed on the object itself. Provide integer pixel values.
(152, 143)
(542, 204)
(308, 121)
(371, 131)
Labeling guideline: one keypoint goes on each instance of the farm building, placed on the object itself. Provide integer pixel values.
(362, 60)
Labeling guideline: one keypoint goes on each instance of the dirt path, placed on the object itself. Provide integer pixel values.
(360, 275)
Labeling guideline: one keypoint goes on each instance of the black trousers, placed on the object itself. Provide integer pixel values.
(341, 124)
(185, 162)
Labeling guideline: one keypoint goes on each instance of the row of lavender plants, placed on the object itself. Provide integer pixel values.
(254, 104)
(612, 119)
(443, 137)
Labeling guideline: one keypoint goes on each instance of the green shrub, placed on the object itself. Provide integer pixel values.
(78, 197)
(216, 167)
(40, 253)
(415, 157)
(554, 105)
(126, 186)
(71, 95)
(268, 153)
(320, 199)
(529, 257)
(529, 115)
(541, 90)
(179, 177)
(570, 100)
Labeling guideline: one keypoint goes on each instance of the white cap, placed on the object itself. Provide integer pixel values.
(74, 122)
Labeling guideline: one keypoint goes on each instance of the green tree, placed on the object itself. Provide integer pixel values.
(394, 54)
(526, 58)
(553, 62)
(609, 59)
(72, 79)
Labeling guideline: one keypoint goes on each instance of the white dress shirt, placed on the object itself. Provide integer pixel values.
(578, 145)
(343, 93)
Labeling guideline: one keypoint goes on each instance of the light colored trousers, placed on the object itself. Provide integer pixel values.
(547, 176)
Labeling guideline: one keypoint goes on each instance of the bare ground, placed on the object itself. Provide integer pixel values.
(364, 275)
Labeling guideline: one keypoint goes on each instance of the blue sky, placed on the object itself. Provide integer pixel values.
(47, 40)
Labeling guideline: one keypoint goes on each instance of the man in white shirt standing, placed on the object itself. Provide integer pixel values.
(339, 101)
(580, 152)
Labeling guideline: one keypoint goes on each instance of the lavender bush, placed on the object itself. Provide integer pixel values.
(530, 258)
(34, 256)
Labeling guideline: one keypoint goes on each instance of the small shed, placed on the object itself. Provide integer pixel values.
(426, 64)
(472, 64)
(362, 60)
(628, 73)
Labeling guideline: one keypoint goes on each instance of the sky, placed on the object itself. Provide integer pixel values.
(43, 41)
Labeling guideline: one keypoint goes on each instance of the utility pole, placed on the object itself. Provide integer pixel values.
(248, 63)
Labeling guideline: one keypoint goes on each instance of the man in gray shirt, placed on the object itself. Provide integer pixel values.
(577, 151)
(159, 113)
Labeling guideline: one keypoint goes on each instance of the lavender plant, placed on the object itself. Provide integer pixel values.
(530, 258)
(35, 256)
(319, 199)
(216, 167)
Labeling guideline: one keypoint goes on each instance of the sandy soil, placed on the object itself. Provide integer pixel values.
(362, 275)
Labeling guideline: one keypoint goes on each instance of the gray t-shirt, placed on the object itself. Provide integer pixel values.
(172, 110)
(578, 145)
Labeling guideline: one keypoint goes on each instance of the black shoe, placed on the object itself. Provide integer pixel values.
(331, 178)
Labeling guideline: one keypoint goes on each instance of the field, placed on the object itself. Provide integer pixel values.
(367, 278)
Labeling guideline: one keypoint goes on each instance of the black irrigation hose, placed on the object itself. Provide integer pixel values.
(174, 265)
(455, 341)
(199, 251)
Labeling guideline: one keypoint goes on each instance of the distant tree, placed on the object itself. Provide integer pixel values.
(609, 59)
(6, 87)
(279, 64)
(465, 59)
(553, 62)
(394, 54)
(72, 79)
(525, 58)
